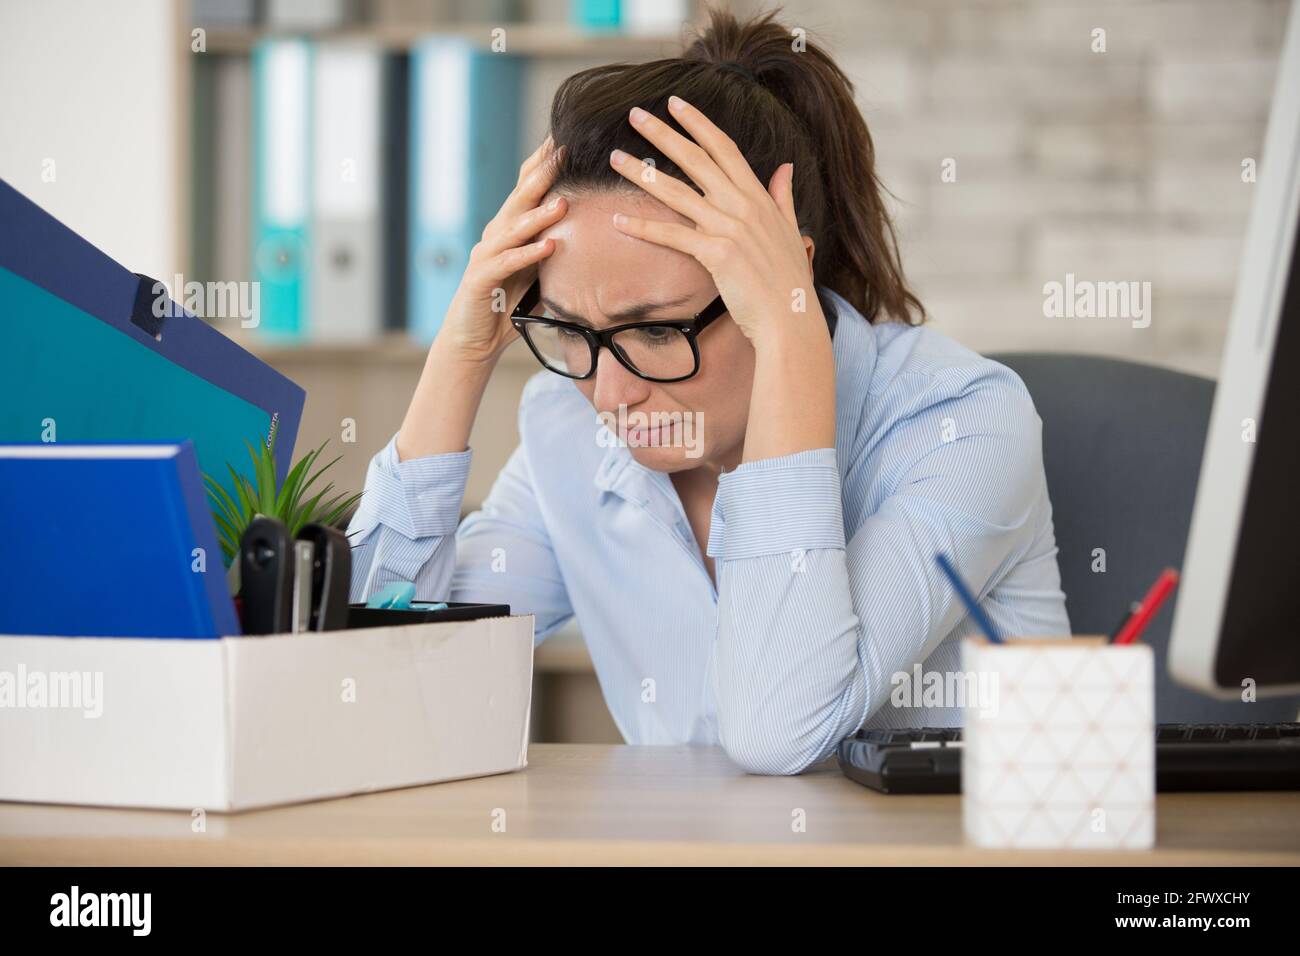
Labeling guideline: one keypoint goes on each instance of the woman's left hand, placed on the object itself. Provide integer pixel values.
(745, 235)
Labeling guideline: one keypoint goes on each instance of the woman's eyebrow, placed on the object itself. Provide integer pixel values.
(622, 315)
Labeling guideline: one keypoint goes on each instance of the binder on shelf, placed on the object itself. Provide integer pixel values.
(233, 174)
(203, 195)
(223, 13)
(221, 188)
(89, 352)
(310, 14)
(282, 184)
(431, 14)
(464, 161)
(640, 17)
(347, 231)
(597, 14)
(396, 207)
(110, 541)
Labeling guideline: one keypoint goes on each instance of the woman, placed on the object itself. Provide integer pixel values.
(766, 388)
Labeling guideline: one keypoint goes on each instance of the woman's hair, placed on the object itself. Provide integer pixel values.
(781, 100)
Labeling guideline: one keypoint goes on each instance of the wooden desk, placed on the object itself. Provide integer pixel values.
(603, 804)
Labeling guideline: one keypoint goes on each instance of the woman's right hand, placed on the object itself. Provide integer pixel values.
(503, 264)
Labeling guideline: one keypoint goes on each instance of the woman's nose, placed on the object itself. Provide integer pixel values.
(615, 385)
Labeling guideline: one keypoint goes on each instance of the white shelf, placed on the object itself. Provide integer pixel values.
(525, 39)
(391, 349)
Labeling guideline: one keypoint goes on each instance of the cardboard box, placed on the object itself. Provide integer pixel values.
(245, 722)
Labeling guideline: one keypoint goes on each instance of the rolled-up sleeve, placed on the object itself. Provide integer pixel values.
(404, 526)
(788, 677)
(778, 505)
(812, 622)
(408, 528)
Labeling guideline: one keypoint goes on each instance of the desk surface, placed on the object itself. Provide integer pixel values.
(604, 804)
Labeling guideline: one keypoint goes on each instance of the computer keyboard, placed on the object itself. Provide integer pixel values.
(1189, 757)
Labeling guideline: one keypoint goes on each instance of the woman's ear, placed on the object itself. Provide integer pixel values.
(809, 247)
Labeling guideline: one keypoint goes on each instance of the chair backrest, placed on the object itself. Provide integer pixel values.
(1122, 446)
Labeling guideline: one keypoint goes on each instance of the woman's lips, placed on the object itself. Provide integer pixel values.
(642, 436)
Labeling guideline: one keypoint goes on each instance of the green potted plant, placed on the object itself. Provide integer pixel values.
(260, 496)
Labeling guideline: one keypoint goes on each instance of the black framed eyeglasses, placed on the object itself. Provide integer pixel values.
(663, 350)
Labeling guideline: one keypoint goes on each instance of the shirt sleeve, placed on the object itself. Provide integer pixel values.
(812, 625)
(408, 528)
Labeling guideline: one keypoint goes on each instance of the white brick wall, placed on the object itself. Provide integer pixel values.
(1116, 166)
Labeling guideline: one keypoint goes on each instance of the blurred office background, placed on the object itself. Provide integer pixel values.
(1021, 144)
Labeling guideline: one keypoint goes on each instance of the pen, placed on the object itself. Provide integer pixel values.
(1149, 607)
(968, 599)
(1123, 619)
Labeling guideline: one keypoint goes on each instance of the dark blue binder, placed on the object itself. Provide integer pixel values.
(83, 356)
(107, 540)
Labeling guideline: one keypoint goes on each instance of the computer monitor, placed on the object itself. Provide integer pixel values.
(1237, 619)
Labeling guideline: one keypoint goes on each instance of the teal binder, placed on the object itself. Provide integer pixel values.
(89, 353)
(465, 155)
(596, 14)
(282, 185)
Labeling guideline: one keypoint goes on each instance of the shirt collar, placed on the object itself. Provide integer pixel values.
(855, 350)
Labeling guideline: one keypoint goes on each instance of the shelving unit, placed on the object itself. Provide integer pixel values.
(393, 348)
(522, 39)
(540, 43)
(371, 382)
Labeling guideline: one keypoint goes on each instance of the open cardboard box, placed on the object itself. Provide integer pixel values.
(244, 722)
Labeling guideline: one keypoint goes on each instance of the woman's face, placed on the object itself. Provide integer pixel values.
(597, 272)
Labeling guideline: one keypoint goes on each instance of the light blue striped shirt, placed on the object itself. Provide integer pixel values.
(827, 584)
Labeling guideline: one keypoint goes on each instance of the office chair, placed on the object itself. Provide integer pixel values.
(1122, 447)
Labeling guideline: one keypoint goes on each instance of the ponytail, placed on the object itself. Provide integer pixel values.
(780, 99)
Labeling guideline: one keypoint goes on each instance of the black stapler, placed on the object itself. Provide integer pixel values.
(266, 577)
(293, 586)
(331, 577)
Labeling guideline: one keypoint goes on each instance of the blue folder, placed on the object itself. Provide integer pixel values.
(109, 540)
(84, 356)
(465, 155)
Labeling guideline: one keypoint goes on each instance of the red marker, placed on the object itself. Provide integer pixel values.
(1149, 607)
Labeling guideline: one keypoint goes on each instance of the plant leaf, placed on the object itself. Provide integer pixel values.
(319, 472)
(256, 493)
(332, 518)
(264, 462)
(321, 513)
(221, 499)
(224, 529)
(287, 499)
(305, 511)
(246, 506)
